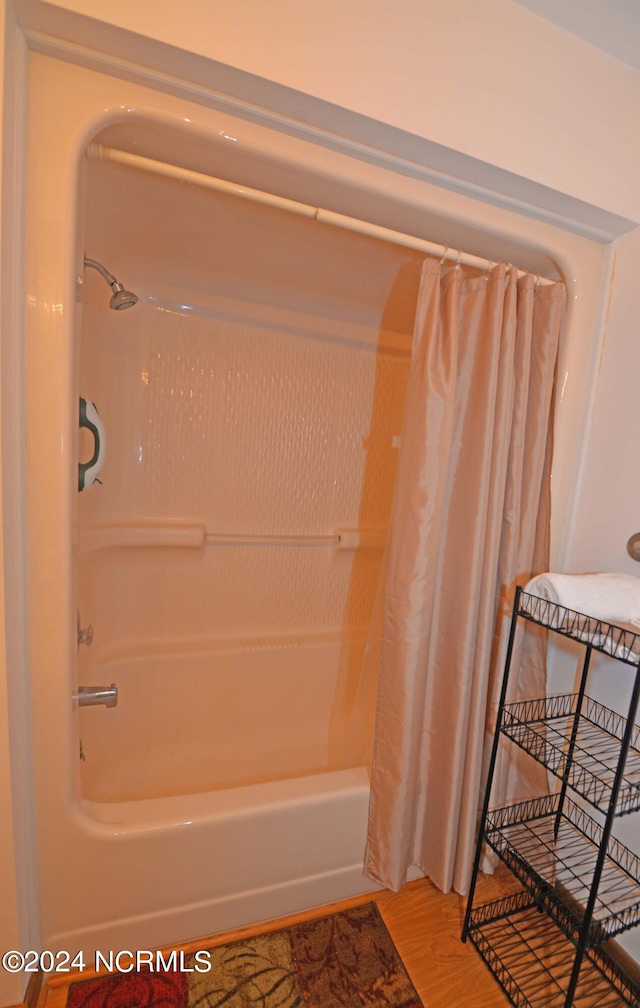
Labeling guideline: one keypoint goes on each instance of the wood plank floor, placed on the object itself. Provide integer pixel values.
(425, 926)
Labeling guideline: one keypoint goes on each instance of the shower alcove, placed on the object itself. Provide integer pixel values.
(229, 560)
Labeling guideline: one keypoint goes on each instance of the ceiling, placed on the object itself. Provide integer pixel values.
(611, 25)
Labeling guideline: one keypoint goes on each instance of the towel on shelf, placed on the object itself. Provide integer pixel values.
(614, 598)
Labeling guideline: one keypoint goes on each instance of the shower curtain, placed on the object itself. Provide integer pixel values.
(470, 520)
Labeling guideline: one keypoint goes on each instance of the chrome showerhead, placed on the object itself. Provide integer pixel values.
(121, 298)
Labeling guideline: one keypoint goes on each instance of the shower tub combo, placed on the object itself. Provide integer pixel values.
(223, 563)
(205, 573)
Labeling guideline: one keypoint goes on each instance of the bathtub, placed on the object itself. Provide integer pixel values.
(208, 821)
(127, 857)
(194, 865)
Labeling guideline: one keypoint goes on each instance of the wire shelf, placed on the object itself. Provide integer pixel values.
(543, 729)
(550, 946)
(532, 960)
(620, 642)
(555, 854)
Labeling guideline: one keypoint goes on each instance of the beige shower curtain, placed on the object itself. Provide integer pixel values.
(470, 520)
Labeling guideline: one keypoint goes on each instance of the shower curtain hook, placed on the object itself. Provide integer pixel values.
(444, 254)
(487, 270)
(459, 256)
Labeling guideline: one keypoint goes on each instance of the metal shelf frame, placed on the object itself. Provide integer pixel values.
(533, 961)
(552, 852)
(543, 727)
(581, 886)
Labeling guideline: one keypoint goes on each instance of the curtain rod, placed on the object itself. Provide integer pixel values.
(101, 152)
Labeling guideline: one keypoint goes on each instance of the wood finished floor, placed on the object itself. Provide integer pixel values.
(425, 926)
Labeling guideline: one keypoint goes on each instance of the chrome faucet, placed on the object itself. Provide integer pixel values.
(92, 696)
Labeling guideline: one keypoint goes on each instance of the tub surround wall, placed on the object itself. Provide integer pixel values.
(67, 110)
(255, 392)
(245, 711)
(256, 389)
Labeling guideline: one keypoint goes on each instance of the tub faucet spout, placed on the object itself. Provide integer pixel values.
(92, 696)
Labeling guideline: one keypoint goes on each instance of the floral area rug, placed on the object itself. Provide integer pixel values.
(344, 960)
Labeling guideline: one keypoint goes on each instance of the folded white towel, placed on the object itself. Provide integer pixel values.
(612, 597)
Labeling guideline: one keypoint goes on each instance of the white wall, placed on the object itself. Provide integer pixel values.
(485, 91)
(605, 520)
(608, 506)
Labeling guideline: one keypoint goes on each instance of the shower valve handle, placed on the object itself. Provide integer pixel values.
(85, 636)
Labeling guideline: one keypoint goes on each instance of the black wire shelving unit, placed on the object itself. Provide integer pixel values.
(546, 945)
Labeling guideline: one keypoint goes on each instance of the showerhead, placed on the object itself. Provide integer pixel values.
(120, 298)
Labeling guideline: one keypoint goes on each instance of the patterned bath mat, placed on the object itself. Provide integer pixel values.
(345, 960)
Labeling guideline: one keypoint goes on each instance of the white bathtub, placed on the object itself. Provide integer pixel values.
(170, 847)
(189, 866)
